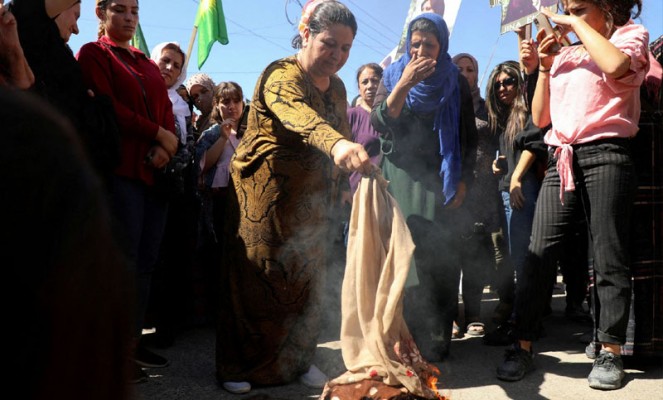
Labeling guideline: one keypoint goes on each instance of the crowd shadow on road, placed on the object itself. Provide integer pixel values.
(561, 366)
(468, 373)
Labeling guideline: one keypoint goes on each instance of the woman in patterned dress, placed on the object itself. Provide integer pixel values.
(285, 174)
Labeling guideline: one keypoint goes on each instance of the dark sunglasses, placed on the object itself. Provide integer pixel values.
(507, 82)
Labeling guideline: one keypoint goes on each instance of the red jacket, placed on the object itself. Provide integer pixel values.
(105, 74)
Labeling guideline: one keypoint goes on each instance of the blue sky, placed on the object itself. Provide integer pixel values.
(259, 32)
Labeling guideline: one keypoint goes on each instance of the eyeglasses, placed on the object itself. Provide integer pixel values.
(507, 82)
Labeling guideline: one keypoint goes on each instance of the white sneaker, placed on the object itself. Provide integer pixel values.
(314, 378)
(237, 387)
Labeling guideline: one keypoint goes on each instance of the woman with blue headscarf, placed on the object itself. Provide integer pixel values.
(424, 113)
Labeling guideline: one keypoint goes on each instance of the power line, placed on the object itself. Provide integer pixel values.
(492, 53)
(372, 48)
(386, 46)
(260, 36)
(279, 45)
(380, 42)
(387, 29)
(287, 17)
(362, 24)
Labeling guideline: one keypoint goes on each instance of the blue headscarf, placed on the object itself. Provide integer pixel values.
(439, 93)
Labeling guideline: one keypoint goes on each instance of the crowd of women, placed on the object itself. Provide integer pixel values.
(202, 208)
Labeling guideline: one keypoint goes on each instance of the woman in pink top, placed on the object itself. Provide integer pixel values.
(590, 94)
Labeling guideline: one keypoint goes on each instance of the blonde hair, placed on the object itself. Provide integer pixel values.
(101, 30)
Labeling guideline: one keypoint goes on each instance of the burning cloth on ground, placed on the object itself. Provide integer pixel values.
(379, 353)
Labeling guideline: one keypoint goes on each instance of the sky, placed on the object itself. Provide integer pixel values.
(260, 32)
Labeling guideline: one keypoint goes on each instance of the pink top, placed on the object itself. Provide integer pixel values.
(222, 172)
(222, 175)
(586, 105)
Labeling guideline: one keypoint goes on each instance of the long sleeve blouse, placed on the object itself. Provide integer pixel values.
(139, 114)
(531, 139)
(410, 142)
(610, 107)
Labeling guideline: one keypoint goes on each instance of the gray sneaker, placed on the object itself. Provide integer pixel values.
(591, 350)
(517, 362)
(607, 372)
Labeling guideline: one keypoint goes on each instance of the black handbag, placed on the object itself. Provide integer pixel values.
(177, 177)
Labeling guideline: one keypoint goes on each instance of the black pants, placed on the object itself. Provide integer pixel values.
(476, 258)
(432, 306)
(605, 187)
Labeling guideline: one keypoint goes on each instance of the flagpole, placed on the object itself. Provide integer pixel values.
(188, 51)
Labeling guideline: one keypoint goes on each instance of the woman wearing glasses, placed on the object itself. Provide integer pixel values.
(519, 142)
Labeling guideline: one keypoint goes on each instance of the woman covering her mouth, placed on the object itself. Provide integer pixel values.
(425, 115)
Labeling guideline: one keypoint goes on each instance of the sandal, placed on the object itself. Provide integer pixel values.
(475, 329)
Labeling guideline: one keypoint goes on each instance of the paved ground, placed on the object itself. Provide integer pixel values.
(561, 369)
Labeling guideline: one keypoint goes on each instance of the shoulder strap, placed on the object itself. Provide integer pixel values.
(133, 73)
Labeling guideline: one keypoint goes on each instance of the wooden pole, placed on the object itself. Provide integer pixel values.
(190, 48)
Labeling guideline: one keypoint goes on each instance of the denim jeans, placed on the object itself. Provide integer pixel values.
(517, 229)
(605, 187)
(518, 222)
(140, 216)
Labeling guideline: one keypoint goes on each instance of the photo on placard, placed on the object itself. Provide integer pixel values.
(517, 13)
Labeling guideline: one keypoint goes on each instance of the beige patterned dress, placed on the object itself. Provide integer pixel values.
(277, 227)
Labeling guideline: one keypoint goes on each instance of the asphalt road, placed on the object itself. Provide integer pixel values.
(469, 372)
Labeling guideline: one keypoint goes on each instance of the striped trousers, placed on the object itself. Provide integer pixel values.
(605, 187)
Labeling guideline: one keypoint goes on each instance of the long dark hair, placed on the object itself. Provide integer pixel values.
(504, 117)
(324, 16)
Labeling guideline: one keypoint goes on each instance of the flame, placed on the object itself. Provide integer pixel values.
(431, 381)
